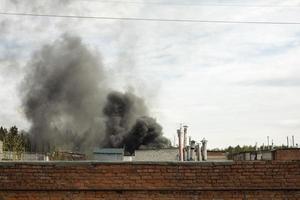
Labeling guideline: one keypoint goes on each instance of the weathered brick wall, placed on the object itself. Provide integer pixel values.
(287, 154)
(166, 181)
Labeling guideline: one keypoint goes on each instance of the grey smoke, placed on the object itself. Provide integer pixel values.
(66, 98)
(62, 93)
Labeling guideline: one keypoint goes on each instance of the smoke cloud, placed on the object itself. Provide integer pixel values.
(128, 126)
(62, 93)
(66, 97)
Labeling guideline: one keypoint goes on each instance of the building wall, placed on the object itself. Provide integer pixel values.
(108, 157)
(156, 155)
(149, 180)
(151, 195)
(267, 155)
(171, 155)
(10, 155)
(278, 154)
(287, 154)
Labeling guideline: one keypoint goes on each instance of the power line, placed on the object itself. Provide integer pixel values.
(150, 19)
(189, 4)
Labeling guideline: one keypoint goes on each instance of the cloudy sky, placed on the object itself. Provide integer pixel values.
(231, 83)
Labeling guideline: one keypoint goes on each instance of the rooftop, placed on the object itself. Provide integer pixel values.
(109, 151)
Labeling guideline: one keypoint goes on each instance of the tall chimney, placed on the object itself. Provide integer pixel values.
(185, 142)
(188, 153)
(193, 146)
(272, 144)
(198, 152)
(180, 149)
(185, 135)
(293, 141)
(287, 141)
(204, 149)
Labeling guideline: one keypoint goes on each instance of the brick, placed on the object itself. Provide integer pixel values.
(255, 180)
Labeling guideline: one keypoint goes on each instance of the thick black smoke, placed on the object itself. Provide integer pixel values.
(67, 100)
(128, 124)
(62, 92)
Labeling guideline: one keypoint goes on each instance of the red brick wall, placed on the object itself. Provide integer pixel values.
(287, 154)
(165, 181)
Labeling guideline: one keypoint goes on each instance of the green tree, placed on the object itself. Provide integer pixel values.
(10, 139)
(18, 146)
(3, 133)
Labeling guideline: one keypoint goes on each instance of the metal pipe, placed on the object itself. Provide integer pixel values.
(198, 152)
(185, 142)
(185, 135)
(188, 153)
(180, 149)
(204, 149)
(192, 153)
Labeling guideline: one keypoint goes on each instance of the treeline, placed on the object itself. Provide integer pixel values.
(238, 149)
(246, 148)
(14, 140)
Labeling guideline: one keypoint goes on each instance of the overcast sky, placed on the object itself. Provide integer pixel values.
(230, 83)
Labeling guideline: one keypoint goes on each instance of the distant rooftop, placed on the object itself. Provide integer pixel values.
(109, 151)
(151, 148)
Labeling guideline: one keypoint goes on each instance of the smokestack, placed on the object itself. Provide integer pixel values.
(180, 149)
(193, 146)
(272, 144)
(293, 141)
(287, 141)
(198, 152)
(204, 149)
(188, 153)
(185, 135)
(268, 142)
(174, 141)
(185, 142)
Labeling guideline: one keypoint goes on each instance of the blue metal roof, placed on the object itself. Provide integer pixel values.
(109, 151)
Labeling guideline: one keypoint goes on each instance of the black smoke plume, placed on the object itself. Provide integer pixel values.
(66, 98)
(128, 124)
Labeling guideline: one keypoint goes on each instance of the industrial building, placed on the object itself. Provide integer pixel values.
(168, 154)
(184, 152)
(108, 154)
(275, 154)
(171, 154)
